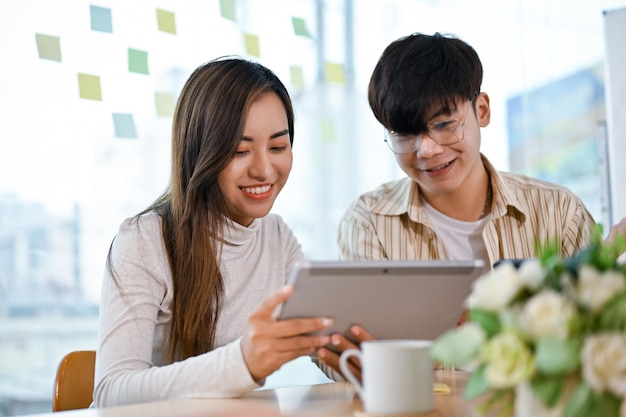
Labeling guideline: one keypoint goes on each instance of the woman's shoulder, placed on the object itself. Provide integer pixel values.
(143, 228)
(146, 221)
(138, 251)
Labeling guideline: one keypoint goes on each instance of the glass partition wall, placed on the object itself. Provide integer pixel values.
(87, 91)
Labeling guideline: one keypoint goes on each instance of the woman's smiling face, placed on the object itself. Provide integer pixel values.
(260, 168)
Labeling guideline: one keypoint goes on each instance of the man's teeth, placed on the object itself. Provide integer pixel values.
(439, 167)
(257, 190)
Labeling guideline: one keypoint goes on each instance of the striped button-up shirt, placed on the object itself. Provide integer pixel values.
(390, 222)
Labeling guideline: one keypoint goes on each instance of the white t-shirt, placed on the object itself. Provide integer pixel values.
(462, 240)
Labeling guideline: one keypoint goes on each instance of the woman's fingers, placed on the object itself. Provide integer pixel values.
(269, 343)
(264, 355)
(269, 305)
(286, 328)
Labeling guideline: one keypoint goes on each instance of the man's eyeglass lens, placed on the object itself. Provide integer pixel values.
(445, 133)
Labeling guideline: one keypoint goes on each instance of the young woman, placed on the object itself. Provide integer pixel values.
(192, 282)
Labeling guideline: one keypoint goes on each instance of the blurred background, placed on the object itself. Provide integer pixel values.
(87, 92)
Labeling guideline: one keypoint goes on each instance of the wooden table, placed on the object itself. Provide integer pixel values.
(337, 399)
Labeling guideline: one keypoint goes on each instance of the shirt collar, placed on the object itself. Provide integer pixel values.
(237, 235)
(503, 197)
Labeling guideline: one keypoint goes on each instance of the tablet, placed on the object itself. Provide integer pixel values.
(390, 299)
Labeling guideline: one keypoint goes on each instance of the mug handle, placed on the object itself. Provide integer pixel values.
(345, 369)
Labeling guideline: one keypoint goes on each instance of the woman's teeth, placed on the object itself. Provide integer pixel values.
(257, 190)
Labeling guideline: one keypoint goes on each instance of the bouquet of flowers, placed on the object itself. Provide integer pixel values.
(555, 326)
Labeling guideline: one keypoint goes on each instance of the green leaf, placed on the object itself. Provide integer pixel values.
(583, 323)
(613, 315)
(599, 254)
(459, 346)
(554, 356)
(581, 402)
(486, 320)
(584, 256)
(548, 251)
(502, 399)
(548, 390)
(606, 405)
(477, 384)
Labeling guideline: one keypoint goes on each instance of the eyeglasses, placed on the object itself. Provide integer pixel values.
(445, 133)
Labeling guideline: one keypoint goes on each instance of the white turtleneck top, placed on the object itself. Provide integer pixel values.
(134, 325)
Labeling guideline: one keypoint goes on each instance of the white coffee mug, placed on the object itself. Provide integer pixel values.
(397, 375)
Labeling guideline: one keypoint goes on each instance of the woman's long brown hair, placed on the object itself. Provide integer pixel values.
(207, 128)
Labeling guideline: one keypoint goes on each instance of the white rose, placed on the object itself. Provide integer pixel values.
(604, 363)
(547, 313)
(508, 361)
(531, 274)
(460, 346)
(496, 289)
(594, 289)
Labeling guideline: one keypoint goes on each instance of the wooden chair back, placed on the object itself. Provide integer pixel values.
(73, 385)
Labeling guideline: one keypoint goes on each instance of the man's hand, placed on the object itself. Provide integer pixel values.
(616, 230)
(341, 344)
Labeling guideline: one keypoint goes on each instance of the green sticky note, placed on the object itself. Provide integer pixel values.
(299, 27)
(137, 61)
(252, 44)
(166, 21)
(89, 87)
(335, 73)
(297, 77)
(327, 131)
(101, 20)
(164, 104)
(228, 9)
(124, 125)
(48, 47)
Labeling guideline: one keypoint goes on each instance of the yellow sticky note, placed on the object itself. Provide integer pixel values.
(166, 21)
(252, 44)
(335, 73)
(164, 104)
(441, 388)
(89, 87)
(48, 47)
(328, 133)
(297, 77)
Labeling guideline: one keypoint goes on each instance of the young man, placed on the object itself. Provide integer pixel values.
(453, 204)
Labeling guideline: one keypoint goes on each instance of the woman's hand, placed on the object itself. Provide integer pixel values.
(269, 343)
(340, 344)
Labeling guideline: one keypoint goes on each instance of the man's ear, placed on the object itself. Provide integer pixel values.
(483, 111)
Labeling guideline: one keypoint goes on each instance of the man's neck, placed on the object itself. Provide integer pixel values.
(470, 202)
